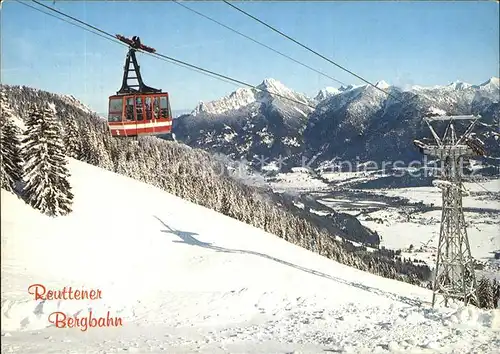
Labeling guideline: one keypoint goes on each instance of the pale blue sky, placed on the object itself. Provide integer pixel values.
(424, 43)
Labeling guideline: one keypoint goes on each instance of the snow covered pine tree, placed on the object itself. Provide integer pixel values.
(72, 138)
(10, 149)
(486, 293)
(45, 172)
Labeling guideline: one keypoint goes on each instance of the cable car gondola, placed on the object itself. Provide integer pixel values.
(138, 109)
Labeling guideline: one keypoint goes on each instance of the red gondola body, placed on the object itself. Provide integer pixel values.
(138, 109)
(139, 114)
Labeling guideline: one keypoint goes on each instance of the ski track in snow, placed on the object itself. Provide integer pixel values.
(188, 280)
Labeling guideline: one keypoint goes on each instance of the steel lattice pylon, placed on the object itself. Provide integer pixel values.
(454, 276)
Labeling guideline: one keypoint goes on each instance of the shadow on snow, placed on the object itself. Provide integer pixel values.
(188, 238)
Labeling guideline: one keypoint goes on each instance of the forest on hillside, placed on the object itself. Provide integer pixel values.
(199, 177)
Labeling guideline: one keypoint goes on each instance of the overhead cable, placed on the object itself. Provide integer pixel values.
(257, 42)
(168, 58)
(309, 49)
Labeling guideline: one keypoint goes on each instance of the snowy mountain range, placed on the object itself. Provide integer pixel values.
(249, 122)
(353, 121)
(246, 96)
(366, 123)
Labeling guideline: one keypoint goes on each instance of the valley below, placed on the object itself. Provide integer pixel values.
(404, 219)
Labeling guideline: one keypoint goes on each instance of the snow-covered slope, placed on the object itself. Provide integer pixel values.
(186, 279)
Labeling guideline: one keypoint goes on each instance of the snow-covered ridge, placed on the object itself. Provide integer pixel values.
(326, 92)
(237, 99)
(243, 97)
(268, 90)
(458, 85)
(382, 84)
(77, 103)
(274, 86)
(492, 83)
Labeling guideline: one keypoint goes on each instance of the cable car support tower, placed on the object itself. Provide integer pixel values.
(454, 276)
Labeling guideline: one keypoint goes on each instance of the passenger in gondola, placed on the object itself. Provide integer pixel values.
(156, 108)
(147, 105)
(130, 113)
(138, 108)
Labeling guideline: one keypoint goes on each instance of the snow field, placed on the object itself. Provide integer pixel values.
(187, 279)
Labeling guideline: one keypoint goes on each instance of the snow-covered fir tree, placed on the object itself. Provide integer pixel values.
(72, 138)
(496, 293)
(10, 149)
(486, 293)
(45, 172)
